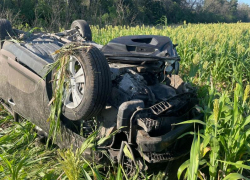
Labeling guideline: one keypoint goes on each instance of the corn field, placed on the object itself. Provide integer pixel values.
(215, 59)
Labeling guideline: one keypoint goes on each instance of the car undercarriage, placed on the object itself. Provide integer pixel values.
(131, 85)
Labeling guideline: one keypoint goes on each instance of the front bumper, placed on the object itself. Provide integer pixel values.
(161, 148)
(158, 144)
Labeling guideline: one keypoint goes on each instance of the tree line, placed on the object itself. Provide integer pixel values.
(56, 14)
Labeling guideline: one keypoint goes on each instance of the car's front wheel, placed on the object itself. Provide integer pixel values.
(89, 84)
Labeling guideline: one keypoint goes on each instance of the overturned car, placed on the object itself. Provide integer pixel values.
(130, 85)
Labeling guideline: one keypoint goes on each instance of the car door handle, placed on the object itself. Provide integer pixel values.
(10, 101)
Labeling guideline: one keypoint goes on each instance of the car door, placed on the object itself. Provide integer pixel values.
(26, 91)
(4, 68)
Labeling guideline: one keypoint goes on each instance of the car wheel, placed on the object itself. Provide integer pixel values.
(83, 27)
(89, 84)
(5, 30)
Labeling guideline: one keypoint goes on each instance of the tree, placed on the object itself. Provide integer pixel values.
(243, 12)
(56, 14)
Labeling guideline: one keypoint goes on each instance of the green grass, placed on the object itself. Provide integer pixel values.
(215, 59)
(21, 155)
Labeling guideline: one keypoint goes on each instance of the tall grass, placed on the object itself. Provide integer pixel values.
(21, 156)
(224, 148)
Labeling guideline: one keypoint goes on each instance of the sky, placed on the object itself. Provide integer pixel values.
(244, 1)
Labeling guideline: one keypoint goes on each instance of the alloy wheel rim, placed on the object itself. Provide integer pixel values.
(75, 91)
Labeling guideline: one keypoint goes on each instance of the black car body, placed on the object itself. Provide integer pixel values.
(127, 84)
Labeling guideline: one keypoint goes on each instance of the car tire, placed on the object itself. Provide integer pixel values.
(96, 86)
(83, 27)
(5, 30)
